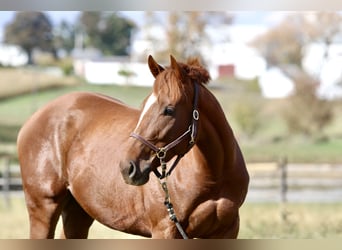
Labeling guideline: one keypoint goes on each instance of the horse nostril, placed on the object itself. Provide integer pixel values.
(132, 169)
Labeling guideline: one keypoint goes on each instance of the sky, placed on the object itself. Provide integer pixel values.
(242, 17)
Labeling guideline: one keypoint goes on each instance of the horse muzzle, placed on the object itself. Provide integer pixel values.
(133, 174)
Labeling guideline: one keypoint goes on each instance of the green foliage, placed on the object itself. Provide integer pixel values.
(30, 30)
(66, 65)
(107, 31)
(245, 104)
(305, 112)
(65, 34)
(253, 86)
(247, 116)
(116, 35)
(127, 74)
(89, 21)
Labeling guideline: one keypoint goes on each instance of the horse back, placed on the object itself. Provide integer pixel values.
(49, 135)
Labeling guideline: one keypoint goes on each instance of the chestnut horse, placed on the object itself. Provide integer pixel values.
(89, 157)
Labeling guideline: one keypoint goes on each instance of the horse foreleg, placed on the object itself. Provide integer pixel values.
(76, 222)
(43, 217)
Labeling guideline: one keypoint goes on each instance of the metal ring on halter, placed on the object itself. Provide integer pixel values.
(195, 114)
(161, 153)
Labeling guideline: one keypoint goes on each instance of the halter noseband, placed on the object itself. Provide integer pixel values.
(161, 152)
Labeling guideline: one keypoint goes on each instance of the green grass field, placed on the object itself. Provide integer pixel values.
(258, 221)
(17, 109)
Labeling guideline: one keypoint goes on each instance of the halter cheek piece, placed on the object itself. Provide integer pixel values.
(161, 152)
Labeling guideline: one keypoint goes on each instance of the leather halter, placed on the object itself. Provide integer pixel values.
(161, 152)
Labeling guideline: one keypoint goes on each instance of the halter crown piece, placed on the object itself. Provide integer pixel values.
(161, 154)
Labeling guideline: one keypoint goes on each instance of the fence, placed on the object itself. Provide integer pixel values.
(290, 182)
(269, 182)
(9, 178)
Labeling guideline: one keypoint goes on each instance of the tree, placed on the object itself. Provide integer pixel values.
(64, 37)
(30, 30)
(284, 46)
(89, 22)
(186, 32)
(116, 35)
(107, 31)
(127, 74)
(306, 113)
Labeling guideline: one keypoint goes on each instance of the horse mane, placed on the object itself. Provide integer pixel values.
(194, 69)
(191, 69)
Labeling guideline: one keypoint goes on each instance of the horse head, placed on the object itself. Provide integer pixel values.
(167, 125)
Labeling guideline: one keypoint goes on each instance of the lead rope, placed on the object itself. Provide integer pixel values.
(167, 201)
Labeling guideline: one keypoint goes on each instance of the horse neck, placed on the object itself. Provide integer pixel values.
(215, 140)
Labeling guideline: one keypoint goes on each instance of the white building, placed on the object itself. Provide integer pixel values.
(113, 72)
(97, 69)
(12, 55)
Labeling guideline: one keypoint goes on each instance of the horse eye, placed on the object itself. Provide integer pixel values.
(169, 111)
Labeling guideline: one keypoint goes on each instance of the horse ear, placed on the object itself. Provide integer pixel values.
(175, 66)
(155, 68)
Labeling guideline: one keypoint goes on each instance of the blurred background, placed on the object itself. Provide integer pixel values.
(277, 75)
